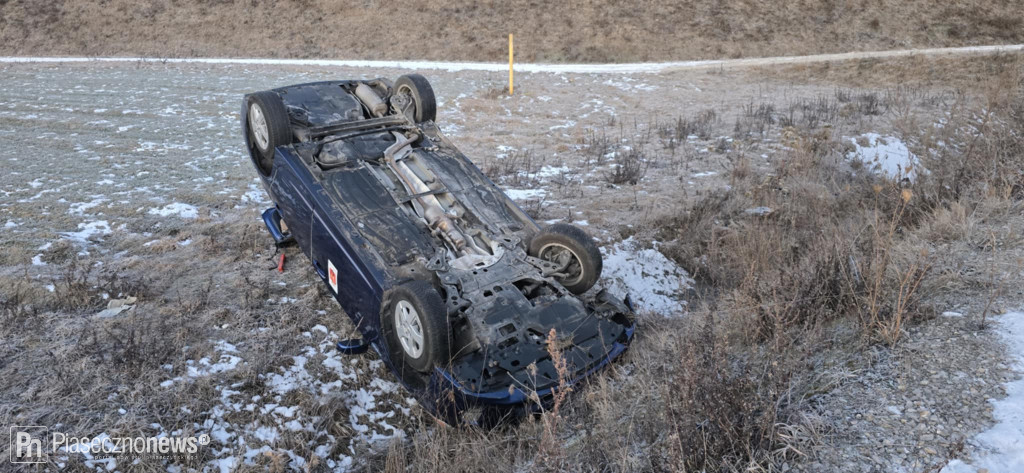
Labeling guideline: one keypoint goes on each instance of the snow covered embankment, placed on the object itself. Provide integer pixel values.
(1001, 448)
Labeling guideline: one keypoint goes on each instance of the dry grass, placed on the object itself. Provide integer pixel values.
(949, 73)
(66, 367)
(843, 260)
(517, 169)
(594, 31)
(630, 163)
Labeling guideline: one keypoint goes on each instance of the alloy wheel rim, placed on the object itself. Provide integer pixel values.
(258, 126)
(409, 329)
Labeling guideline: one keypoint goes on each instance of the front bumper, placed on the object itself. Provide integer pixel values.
(447, 398)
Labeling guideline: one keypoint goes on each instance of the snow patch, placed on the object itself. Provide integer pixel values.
(1002, 446)
(652, 281)
(88, 230)
(104, 445)
(886, 155)
(79, 208)
(759, 211)
(177, 208)
(525, 194)
(256, 194)
(205, 367)
(550, 171)
(331, 377)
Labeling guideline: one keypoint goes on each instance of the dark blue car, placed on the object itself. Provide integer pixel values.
(461, 293)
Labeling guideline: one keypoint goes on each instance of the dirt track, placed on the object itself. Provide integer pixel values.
(625, 68)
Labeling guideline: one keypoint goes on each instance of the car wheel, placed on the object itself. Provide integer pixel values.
(266, 128)
(574, 251)
(422, 95)
(417, 323)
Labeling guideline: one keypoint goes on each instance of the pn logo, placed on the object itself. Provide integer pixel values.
(27, 443)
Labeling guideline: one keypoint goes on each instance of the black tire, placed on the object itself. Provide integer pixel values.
(585, 263)
(432, 316)
(422, 96)
(277, 129)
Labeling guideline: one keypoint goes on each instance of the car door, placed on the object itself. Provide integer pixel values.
(293, 201)
(336, 263)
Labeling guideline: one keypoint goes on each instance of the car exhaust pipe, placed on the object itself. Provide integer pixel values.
(372, 101)
(433, 211)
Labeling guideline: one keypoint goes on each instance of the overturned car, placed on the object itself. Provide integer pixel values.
(460, 292)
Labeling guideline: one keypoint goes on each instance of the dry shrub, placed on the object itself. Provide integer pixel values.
(553, 417)
(81, 285)
(436, 448)
(835, 249)
(596, 147)
(74, 287)
(975, 152)
(721, 405)
(724, 390)
(517, 169)
(804, 245)
(630, 153)
(696, 399)
(17, 306)
(132, 345)
(756, 120)
(629, 166)
(955, 222)
(701, 125)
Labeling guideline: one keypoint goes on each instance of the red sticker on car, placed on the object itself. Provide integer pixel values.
(332, 276)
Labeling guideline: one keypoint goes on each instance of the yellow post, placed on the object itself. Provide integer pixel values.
(510, 83)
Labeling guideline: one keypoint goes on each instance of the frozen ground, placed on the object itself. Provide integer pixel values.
(1002, 446)
(137, 169)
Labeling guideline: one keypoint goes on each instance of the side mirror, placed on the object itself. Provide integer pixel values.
(272, 219)
(353, 346)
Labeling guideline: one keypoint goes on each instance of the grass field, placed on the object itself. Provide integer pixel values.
(814, 228)
(579, 31)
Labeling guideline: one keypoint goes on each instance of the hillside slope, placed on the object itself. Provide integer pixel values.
(578, 31)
